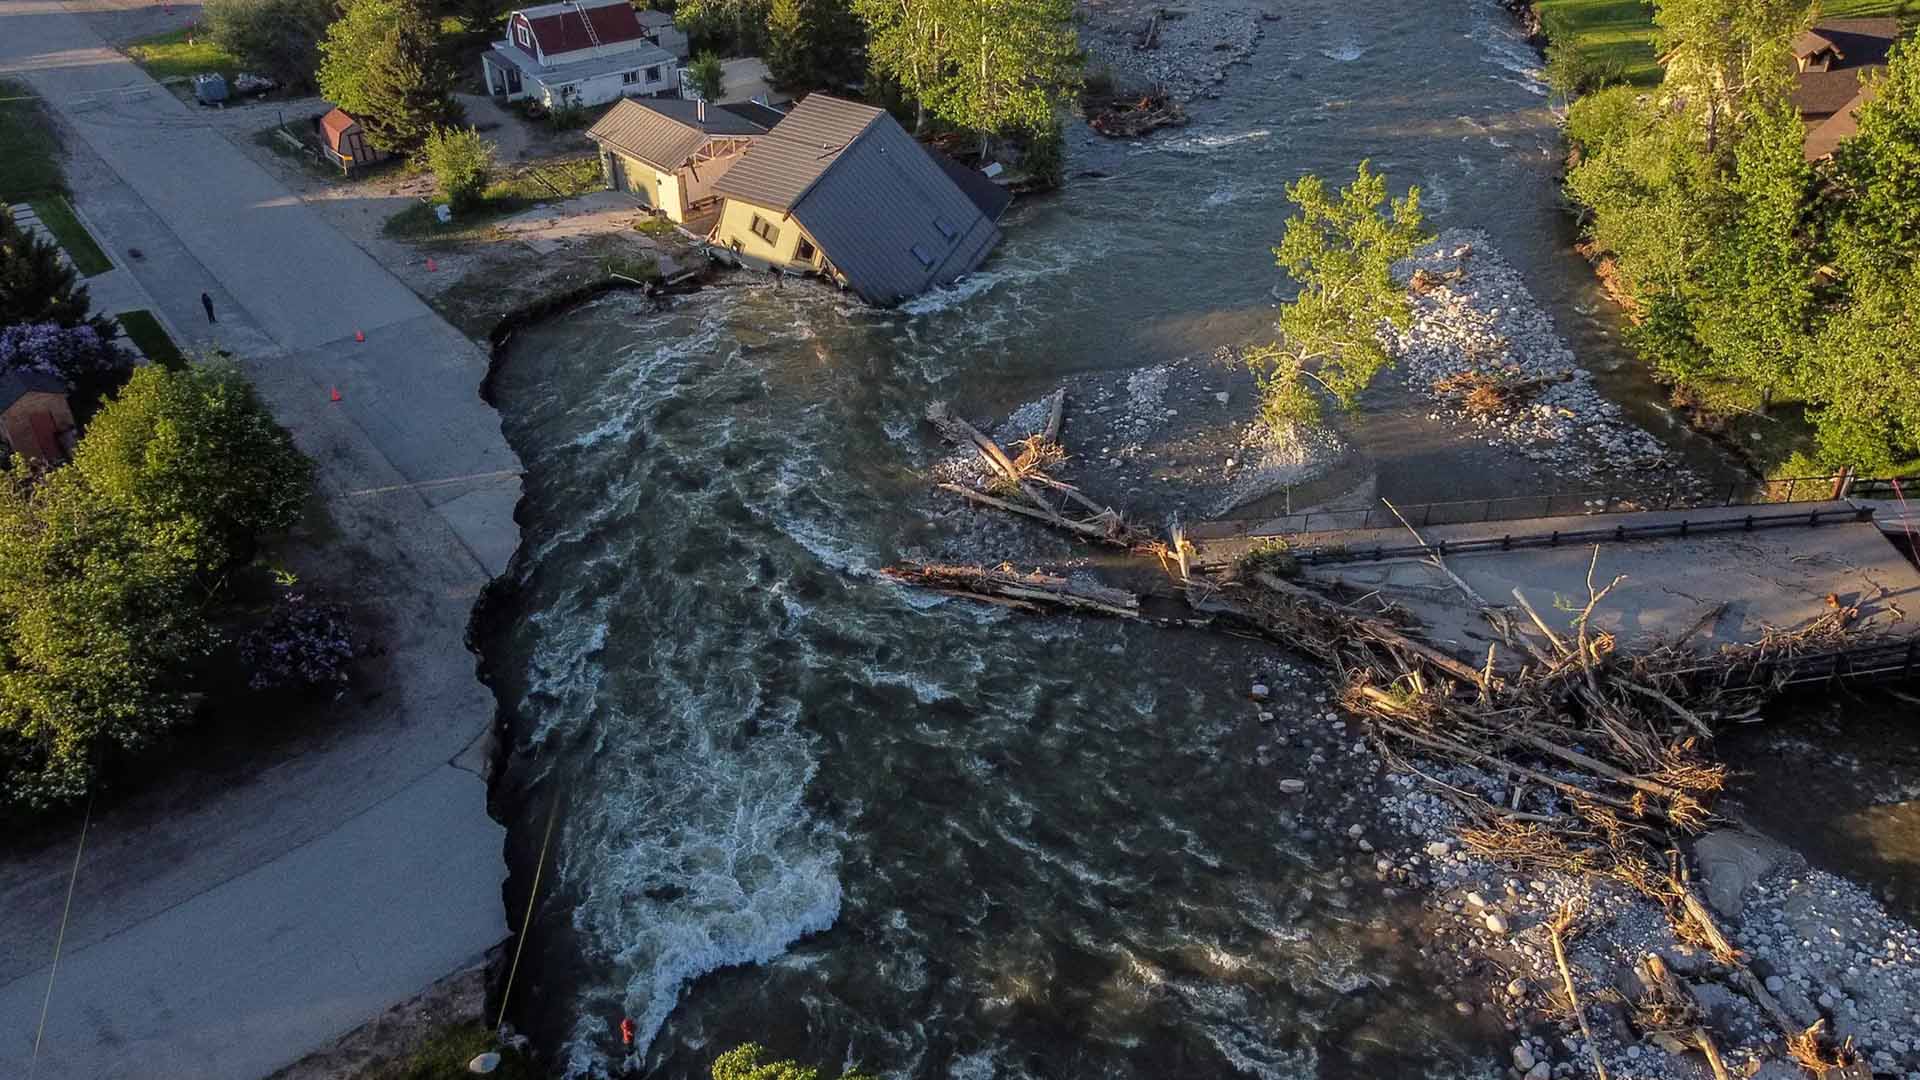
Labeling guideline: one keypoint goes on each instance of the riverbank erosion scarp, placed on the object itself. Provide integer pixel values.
(250, 907)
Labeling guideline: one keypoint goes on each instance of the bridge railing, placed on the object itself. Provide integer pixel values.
(1620, 533)
(1579, 503)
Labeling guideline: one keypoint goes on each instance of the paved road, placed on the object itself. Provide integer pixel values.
(249, 923)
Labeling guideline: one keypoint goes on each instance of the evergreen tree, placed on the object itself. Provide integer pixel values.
(812, 43)
(348, 49)
(37, 287)
(408, 87)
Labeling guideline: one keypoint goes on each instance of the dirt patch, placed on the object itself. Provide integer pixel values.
(401, 1030)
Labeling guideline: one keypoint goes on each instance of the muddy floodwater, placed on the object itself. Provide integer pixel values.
(801, 806)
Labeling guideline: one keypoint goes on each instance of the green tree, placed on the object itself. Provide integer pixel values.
(1340, 251)
(743, 1063)
(462, 164)
(1863, 378)
(279, 38)
(1718, 53)
(708, 76)
(193, 456)
(408, 87)
(1876, 174)
(37, 287)
(812, 43)
(1016, 63)
(348, 48)
(97, 619)
(1757, 304)
(910, 43)
(740, 23)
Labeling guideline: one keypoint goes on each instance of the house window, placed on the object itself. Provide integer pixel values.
(804, 251)
(653, 74)
(925, 256)
(765, 230)
(526, 40)
(628, 78)
(946, 228)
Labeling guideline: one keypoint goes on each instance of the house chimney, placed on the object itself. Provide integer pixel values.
(700, 109)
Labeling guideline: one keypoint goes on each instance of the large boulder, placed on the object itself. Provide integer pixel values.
(1730, 862)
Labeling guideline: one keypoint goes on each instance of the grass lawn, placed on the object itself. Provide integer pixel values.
(169, 55)
(152, 339)
(446, 1054)
(539, 182)
(58, 216)
(1611, 32)
(29, 153)
(1620, 32)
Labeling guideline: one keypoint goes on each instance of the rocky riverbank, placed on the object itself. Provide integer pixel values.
(1188, 50)
(1484, 351)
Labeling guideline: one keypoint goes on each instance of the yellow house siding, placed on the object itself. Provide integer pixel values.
(641, 179)
(736, 228)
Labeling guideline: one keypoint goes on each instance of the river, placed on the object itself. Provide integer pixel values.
(800, 806)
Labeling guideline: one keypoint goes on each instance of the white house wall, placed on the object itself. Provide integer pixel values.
(600, 89)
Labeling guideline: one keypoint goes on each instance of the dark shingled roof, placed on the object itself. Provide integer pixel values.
(664, 132)
(991, 198)
(763, 115)
(1825, 137)
(884, 214)
(1862, 45)
(15, 385)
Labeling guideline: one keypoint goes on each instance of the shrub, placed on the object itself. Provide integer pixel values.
(1044, 156)
(306, 644)
(707, 76)
(462, 164)
(36, 286)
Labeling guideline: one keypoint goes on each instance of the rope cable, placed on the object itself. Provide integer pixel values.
(533, 895)
(33, 1067)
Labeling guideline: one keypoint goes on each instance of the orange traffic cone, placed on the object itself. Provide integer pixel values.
(333, 392)
(358, 336)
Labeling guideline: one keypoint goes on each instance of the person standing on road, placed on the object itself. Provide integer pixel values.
(207, 302)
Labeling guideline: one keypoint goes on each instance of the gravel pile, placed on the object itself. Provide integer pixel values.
(1473, 315)
(1196, 45)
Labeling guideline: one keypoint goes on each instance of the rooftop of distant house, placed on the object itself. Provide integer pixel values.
(1832, 58)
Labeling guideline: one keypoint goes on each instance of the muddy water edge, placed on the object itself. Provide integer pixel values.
(799, 806)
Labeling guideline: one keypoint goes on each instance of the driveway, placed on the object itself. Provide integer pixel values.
(225, 932)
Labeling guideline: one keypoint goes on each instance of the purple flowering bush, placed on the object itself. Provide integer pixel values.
(307, 643)
(77, 354)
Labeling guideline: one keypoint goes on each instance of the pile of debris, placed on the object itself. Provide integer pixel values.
(1134, 116)
(1604, 757)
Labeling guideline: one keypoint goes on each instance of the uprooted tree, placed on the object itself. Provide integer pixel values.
(1339, 248)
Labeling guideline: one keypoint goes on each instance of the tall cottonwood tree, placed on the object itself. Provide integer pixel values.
(1719, 53)
(348, 49)
(990, 66)
(1340, 249)
(812, 43)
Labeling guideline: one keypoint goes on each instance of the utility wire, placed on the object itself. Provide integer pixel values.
(533, 894)
(33, 1068)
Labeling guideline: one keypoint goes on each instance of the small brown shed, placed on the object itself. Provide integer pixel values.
(345, 142)
(35, 421)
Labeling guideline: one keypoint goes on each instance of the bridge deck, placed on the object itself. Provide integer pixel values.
(1779, 574)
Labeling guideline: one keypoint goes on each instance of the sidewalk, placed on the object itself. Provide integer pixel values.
(230, 931)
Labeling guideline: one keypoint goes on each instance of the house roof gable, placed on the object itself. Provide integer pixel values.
(797, 152)
(665, 132)
(335, 125)
(15, 385)
(561, 28)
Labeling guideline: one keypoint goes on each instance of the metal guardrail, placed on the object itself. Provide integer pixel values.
(1589, 503)
(1341, 553)
(1884, 661)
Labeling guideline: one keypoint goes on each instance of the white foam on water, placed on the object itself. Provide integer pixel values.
(1345, 52)
(1201, 144)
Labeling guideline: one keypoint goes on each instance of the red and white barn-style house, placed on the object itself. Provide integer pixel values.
(587, 52)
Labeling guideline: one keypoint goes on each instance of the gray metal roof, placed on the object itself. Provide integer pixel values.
(797, 152)
(664, 132)
(15, 384)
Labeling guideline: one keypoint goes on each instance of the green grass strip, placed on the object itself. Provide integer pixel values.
(151, 338)
(58, 216)
(170, 55)
(29, 153)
